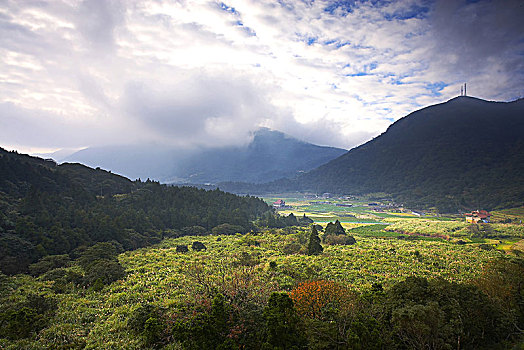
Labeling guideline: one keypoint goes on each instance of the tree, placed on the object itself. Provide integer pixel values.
(314, 247)
(305, 221)
(102, 272)
(282, 331)
(335, 228)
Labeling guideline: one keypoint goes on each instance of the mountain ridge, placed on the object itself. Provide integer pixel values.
(460, 154)
(269, 156)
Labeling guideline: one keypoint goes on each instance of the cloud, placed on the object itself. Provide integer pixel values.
(207, 72)
(203, 109)
(97, 21)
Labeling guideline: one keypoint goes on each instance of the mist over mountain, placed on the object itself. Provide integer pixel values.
(270, 155)
(464, 153)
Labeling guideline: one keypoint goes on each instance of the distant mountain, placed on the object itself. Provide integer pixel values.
(271, 155)
(464, 153)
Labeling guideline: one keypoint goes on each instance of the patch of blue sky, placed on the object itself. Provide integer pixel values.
(227, 8)
(247, 29)
(435, 88)
(308, 39)
(336, 43)
(343, 7)
(287, 5)
(367, 70)
(414, 11)
(398, 81)
(359, 74)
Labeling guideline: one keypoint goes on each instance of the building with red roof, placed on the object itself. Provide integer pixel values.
(478, 216)
(279, 204)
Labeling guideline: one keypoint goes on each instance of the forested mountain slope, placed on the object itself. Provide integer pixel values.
(49, 209)
(465, 153)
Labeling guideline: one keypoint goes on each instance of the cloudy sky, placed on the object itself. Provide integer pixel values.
(75, 74)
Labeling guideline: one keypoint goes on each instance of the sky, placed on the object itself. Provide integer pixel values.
(187, 73)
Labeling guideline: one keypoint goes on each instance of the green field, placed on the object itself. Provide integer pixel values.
(503, 236)
(246, 269)
(161, 276)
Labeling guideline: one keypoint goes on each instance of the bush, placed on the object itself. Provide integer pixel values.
(320, 299)
(102, 250)
(198, 246)
(282, 324)
(103, 271)
(437, 313)
(22, 319)
(146, 320)
(48, 263)
(340, 240)
(194, 231)
(334, 229)
(227, 229)
(182, 248)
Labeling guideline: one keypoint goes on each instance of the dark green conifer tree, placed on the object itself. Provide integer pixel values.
(314, 247)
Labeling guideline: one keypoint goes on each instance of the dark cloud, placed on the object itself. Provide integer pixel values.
(200, 110)
(97, 21)
(471, 38)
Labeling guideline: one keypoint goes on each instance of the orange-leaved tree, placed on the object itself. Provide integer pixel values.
(321, 299)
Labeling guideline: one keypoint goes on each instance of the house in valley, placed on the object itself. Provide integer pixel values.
(279, 204)
(477, 216)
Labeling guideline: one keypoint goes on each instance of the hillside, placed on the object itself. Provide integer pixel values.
(269, 156)
(462, 154)
(49, 209)
(465, 153)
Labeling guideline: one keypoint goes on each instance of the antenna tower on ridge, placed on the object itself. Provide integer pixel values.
(461, 90)
(465, 94)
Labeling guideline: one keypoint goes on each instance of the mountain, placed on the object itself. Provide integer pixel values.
(466, 153)
(50, 209)
(270, 155)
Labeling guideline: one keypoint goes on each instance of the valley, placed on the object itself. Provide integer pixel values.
(176, 300)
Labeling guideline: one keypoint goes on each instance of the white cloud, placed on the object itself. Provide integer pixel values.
(203, 72)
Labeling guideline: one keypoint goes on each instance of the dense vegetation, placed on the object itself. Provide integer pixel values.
(251, 291)
(463, 154)
(225, 272)
(51, 210)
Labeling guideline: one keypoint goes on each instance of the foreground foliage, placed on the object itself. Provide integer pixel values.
(360, 296)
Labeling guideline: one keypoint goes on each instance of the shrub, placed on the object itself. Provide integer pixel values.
(194, 231)
(48, 263)
(339, 240)
(22, 319)
(146, 320)
(198, 246)
(227, 229)
(292, 247)
(101, 250)
(103, 271)
(282, 324)
(182, 248)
